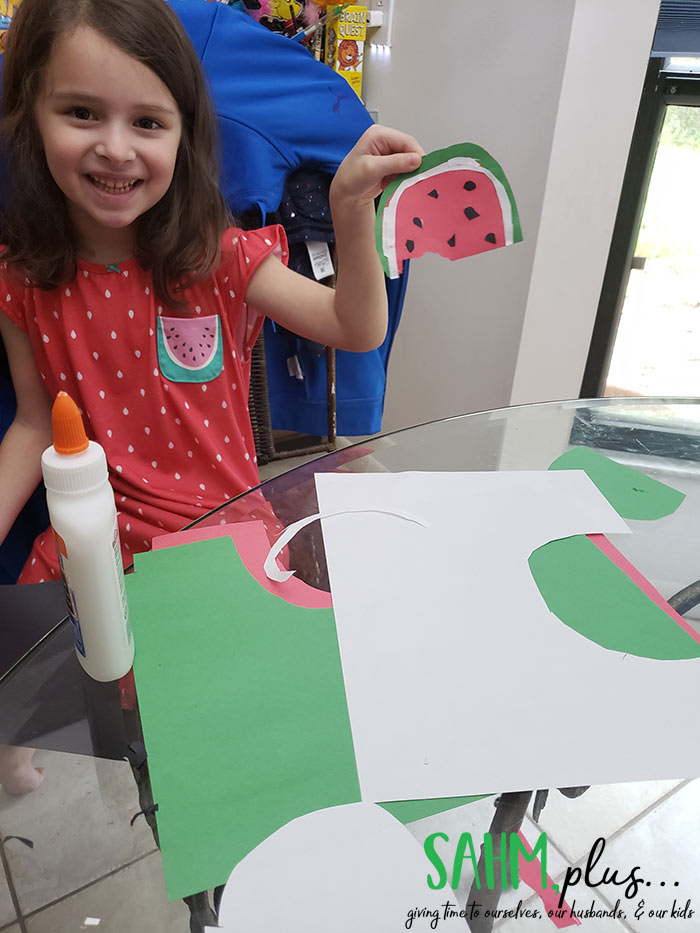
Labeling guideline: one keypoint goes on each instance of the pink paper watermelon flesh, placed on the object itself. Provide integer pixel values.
(454, 214)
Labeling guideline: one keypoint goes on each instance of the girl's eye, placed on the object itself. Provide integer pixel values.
(80, 113)
(146, 123)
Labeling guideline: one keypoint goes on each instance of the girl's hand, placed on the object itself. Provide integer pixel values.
(379, 155)
(353, 315)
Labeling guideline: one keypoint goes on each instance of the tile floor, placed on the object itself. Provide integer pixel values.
(85, 861)
(105, 875)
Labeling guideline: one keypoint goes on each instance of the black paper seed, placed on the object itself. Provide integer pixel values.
(470, 213)
(433, 194)
(469, 185)
(417, 221)
(490, 238)
(452, 240)
(410, 245)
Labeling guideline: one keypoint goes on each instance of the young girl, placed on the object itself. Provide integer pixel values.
(123, 283)
(121, 272)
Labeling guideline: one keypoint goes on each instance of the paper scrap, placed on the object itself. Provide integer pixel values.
(644, 585)
(243, 709)
(349, 869)
(530, 873)
(253, 546)
(596, 598)
(407, 811)
(622, 611)
(631, 493)
(282, 576)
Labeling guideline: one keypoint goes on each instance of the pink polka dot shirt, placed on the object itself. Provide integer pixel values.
(166, 396)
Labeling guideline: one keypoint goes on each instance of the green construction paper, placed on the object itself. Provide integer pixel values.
(406, 811)
(632, 494)
(246, 725)
(243, 709)
(432, 160)
(594, 597)
(590, 593)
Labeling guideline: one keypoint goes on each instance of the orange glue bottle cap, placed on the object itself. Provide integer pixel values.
(69, 435)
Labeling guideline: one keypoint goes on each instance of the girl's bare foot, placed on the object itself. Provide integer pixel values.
(17, 773)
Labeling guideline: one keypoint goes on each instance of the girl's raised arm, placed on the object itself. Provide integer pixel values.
(353, 316)
(30, 432)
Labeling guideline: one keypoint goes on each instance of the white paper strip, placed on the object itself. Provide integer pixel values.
(271, 567)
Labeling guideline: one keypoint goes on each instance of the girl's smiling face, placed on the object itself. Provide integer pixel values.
(110, 130)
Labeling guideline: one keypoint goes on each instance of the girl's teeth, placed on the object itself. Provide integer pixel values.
(107, 186)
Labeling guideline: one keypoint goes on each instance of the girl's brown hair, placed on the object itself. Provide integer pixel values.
(179, 238)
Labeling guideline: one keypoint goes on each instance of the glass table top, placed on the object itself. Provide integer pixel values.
(661, 437)
(47, 702)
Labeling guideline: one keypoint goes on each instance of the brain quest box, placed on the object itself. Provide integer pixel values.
(345, 41)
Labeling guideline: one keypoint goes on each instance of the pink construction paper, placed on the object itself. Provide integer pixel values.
(531, 874)
(602, 542)
(253, 545)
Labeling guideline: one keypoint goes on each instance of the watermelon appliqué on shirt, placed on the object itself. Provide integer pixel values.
(458, 203)
(190, 349)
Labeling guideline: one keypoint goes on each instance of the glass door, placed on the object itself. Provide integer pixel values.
(656, 349)
(646, 339)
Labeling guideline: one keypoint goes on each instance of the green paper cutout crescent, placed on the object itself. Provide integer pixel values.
(456, 204)
(592, 595)
(632, 494)
(589, 592)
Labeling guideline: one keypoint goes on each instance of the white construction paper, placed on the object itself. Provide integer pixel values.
(458, 677)
(347, 869)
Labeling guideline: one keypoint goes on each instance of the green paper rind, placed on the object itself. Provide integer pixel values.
(430, 161)
(632, 494)
(407, 811)
(591, 595)
(614, 613)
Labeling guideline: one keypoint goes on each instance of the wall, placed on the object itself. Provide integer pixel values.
(493, 73)
(583, 188)
(489, 73)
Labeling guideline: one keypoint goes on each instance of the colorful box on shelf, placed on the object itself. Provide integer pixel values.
(345, 41)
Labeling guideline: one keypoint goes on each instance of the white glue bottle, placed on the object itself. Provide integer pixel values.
(84, 520)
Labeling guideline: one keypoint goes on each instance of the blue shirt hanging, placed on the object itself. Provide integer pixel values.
(278, 108)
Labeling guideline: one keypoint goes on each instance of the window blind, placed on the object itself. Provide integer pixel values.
(678, 29)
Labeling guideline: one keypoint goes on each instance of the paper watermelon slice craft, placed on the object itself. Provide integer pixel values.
(458, 203)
